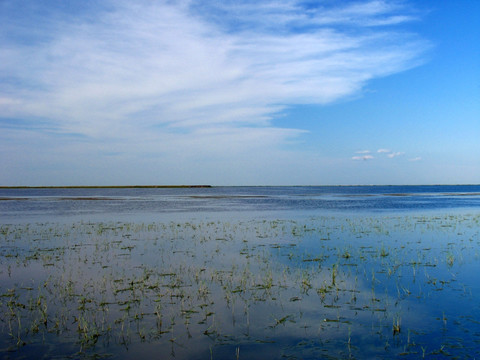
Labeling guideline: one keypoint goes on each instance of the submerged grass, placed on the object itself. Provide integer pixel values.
(317, 288)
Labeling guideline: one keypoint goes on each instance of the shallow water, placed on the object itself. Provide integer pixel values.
(248, 273)
(141, 203)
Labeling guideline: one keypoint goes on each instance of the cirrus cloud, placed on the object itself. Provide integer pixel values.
(150, 63)
(150, 78)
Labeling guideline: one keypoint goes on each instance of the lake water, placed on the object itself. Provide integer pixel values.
(241, 272)
(19, 204)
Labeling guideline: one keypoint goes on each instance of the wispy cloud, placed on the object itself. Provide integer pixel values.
(387, 152)
(395, 154)
(364, 157)
(188, 72)
(150, 63)
(418, 158)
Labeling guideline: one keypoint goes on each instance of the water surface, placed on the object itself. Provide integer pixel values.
(240, 272)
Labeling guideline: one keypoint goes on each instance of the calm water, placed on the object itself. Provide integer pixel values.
(241, 272)
(22, 204)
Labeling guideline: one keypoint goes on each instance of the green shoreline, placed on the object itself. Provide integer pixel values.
(108, 187)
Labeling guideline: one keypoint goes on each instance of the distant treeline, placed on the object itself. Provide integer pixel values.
(108, 187)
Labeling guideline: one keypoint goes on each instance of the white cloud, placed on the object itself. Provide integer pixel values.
(371, 13)
(5, 101)
(384, 150)
(362, 152)
(194, 77)
(395, 154)
(418, 158)
(158, 62)
(364, 157)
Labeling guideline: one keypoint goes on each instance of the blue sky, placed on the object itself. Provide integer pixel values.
(239, 92)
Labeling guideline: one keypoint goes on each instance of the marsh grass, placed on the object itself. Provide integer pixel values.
(325, 286)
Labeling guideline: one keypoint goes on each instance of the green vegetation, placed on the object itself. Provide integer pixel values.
(108, 187)
(322, 287)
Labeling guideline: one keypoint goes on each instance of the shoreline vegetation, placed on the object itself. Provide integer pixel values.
(208, 186)
(108, 187)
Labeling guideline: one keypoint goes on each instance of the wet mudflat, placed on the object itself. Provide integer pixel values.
(323, 286)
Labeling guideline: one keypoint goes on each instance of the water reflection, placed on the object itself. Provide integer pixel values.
(314, 287)
(132, 204)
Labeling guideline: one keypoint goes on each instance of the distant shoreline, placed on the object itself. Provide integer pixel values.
(108, 187)
(211, 186)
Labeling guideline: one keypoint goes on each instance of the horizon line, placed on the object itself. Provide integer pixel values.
(204, 186)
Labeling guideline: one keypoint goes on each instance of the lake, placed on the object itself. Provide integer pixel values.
(307, 272)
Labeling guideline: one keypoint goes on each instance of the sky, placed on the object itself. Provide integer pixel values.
(239, 92)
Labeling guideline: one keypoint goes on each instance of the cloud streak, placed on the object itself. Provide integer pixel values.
(153, 76)
(152, 63)
(395, 154)
(364, 157)
(387, 152)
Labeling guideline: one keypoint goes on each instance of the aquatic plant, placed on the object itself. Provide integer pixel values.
(225, 287)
